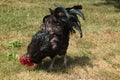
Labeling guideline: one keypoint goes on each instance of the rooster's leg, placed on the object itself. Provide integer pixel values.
(65, 61)
(51, 65)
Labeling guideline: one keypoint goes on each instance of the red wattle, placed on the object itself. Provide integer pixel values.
(25, 61)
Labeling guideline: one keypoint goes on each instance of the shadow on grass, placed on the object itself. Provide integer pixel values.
(115, 3)
(72, 62)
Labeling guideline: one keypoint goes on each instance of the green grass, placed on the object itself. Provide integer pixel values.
(94, 57)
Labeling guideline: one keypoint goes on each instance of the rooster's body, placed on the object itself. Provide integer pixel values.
(50, 41)
(53, 37)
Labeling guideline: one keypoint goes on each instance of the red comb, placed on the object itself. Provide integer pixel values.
(25, 61)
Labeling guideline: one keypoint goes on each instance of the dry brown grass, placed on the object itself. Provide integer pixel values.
(94, 57)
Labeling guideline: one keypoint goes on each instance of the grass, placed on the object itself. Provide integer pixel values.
(94, 57)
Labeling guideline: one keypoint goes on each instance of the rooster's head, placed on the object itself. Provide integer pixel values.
(25, 60)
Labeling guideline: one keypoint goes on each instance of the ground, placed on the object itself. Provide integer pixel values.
(96, 56)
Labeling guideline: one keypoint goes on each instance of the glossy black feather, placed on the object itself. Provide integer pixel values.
(77, 7)
(53, 37)
(50, 41)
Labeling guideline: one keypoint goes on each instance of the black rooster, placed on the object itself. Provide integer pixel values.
(53, 38)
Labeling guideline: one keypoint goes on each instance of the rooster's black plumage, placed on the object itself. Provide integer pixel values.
(53, 37)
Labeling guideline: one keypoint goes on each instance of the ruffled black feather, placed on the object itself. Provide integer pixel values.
(77, 7)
